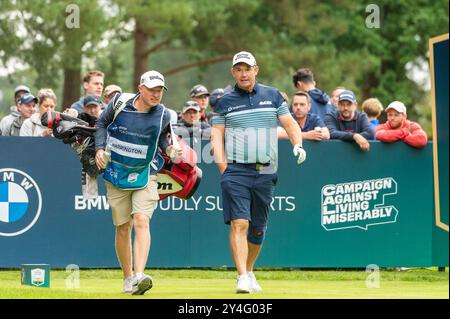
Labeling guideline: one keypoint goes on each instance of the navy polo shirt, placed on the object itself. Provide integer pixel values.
(312, 121)
(250, 120)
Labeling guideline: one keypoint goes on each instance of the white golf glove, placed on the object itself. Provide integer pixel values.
(300, 153)
(174, 152)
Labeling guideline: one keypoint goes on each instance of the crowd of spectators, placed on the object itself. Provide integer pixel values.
(338, 117)
(319, 116)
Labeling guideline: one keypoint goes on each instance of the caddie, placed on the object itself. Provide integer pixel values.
(128, 135)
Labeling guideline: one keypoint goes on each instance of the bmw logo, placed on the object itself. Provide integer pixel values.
(20, 202)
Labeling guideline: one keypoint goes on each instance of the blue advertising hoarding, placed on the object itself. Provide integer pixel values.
(389, 221)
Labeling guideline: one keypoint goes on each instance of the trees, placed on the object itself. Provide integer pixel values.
(51, 41)
(206, 31)
(332, 38)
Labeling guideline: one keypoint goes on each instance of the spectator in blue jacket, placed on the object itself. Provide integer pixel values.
(347, 124)
(321, 104)
(312, 126)
(373, 108)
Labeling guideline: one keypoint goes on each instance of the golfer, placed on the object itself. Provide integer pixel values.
(244, 141)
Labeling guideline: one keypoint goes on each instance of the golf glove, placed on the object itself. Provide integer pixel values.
(300, 153)
(173, 152)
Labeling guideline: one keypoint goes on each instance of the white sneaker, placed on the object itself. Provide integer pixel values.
(243, 285)
(254, 286)
(141, 284)
(128, 285)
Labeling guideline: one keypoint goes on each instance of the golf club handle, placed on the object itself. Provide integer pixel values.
(51, 119)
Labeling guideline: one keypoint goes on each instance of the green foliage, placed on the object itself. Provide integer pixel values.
(207, 284)
(48, 45)
(332, 38)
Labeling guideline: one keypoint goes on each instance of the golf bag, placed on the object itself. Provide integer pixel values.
(80, 136)
(179, 178)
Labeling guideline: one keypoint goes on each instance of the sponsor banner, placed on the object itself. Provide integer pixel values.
(358, 204)
(20, 202)
(199, 204)
(341, 208)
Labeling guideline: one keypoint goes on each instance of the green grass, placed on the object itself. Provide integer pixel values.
(206, 284)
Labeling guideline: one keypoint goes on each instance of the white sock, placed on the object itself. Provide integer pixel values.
(242, 276)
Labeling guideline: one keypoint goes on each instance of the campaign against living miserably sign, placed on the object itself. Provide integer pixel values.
(358, 204)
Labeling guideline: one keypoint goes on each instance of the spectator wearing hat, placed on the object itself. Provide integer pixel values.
(33, 126)
(215, 95)
(312, 126)
(92, 106)
(335, 95)
(373, 108)
(92, 85)
(199, 93)
(190, 125)
(7, 120)
(347, 124)
(398, 128)
(26, 109)
(110, 91)
(18, 92)
(321, 104)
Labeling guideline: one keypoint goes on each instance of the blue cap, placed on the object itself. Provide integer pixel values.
(27, 98)
(215, 96)
(347, 96)
(92, 99)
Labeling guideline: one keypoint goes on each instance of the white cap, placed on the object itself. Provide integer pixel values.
(190, 105)
(244, 57)
(22, 88)
(398, 106)
(110, 89)
(152, 79)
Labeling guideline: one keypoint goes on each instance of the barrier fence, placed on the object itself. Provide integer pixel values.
(341, 208)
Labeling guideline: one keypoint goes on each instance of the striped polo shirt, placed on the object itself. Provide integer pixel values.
(250, 120)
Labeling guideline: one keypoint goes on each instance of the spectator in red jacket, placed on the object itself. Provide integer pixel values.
(398, 128)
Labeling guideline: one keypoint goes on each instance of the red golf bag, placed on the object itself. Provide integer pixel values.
(180, 177)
